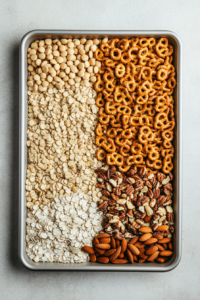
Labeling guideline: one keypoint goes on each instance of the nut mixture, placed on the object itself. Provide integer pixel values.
(58, 231)
(134, 79)
(133, 200)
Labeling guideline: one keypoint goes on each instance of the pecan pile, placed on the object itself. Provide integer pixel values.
(131, 201)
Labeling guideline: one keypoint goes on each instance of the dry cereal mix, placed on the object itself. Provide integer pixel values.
(100, 150)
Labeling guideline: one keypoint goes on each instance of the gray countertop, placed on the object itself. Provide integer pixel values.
(18, 17)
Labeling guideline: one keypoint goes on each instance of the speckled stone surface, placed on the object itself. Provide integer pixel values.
(20, 16)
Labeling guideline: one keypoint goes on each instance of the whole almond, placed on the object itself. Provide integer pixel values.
(103, 260)
(145, 237)
(93, 257)
(164, 240)
(160, 248)
(142, 255)
(103, 246)
(124, 245)
(121, 255)
(170, 246)
(166, 253)
(164, 246)
(120, 261)
(95, 241)
(138, 244)
(104, 241)
(145, 229)
(160, 259)
(162, 228)
(102, 235)
(100, 252)
(115, 254)
(151, 250)
(153, 256)
(134, 240)
(109, 252)
(150, 241)
(147, 219)
(141, 260)
(118, 243)
(130, 256)
(134, 249)
(113, 243)
(135, 258)
(88, 249)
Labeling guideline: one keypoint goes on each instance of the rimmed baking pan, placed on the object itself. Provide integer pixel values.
(23, 121)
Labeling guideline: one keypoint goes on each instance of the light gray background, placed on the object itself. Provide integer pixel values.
(20, 16)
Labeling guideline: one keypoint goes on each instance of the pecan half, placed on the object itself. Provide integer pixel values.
(103, 205)
(160, 176)
(116, 191)
(114, 197)
(129, 190)
(105, 193)
(168, 189)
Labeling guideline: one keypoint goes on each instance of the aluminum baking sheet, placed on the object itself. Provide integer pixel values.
(23, 121)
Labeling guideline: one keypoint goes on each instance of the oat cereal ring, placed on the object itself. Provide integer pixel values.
(99, 84)
(123, 109)
(98, 54)
(108, 77)
(109, 145)
(99, 101)
(168, 135)
(115, 53)
(101, 154)
(99, 140)
(124, 150)
(171, 83)
(120, 70)
(120, 141)
(104, 119)
(124, 168)
(143, 42)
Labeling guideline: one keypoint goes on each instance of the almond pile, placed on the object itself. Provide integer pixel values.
(140, 249)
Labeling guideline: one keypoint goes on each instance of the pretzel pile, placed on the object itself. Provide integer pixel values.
(136, 118)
